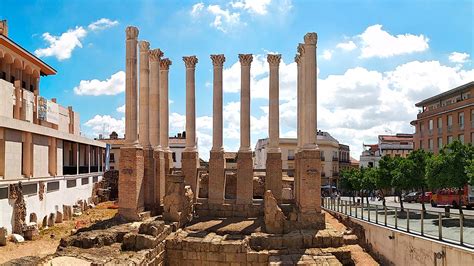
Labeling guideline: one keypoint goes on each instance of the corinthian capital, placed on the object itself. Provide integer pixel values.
(155, 55)
(245, 59)
(190, 61)
(300, 49)
(131, 32)
(144, 46)
(218, 60)
(274, 59)
(297, 59)
(311, 38)
(165, 64)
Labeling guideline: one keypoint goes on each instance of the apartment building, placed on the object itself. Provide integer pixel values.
(40, 141)
(444, 118)
(398, 145)
(331, 152)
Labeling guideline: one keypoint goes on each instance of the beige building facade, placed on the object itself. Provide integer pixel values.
(398, 145)
(40, 140)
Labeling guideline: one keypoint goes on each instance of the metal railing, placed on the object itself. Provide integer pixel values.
(445, 226)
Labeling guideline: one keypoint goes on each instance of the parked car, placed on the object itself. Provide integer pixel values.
(426, 198)
(411, 197)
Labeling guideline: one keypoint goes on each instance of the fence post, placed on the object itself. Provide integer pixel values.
(356, 210)
(461, 228)
(422, 218)
(408, 220)
(385, 216)
(440, 226)
(350, 209)
(361, 209)
(376, 214)
(396, 218)
(368, 212)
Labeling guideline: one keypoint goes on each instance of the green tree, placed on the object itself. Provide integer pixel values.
(368, 181)
(448, 169)
(402, 177)
(469, 169)
(345, 182)
(384, 176)
(418, 173)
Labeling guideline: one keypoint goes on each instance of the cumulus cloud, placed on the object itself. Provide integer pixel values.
(63, 45)
(223, 18)
(256, 6)
(376, 42)
(460, 58)
(105, 124)
(102, 24)
(327, 55)
(111, 86)
(346, 46)
(197, 9)
(121, 109)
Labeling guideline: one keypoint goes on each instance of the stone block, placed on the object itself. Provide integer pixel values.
(190, 164)
(51, 219)
(3, 236)
(350, 240)
(59, 217)
(216, 177)
(131, 186)
(273, 179)
(274, 217)
(244, 193)
(309, 180)
(17, 238)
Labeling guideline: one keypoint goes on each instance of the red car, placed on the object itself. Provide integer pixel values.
(426, 198)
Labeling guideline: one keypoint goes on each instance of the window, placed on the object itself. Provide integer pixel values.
(85, 181)
(461, 120)
(173, 155)
(472, 119)
(291, 154)
(430, 144)
(52, 186)
(3, 192)
(322, 156)
(440, 143)
(450, 139)
(421, 144)
(430, 125)
(450, 120)
(112, 157)
(421, 126)
(30, 189)
(461, 138)
(440, 122)
(71, 183)
(95, 179)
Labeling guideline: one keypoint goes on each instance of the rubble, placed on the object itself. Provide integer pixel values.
(274, 216)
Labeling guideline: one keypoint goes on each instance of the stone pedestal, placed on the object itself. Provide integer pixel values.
(149, 178)
(131, 190)
(168, 155)
(308, 189)
(216, 177)
(244, 177)
(190, 164)
(178, 201)
(273, 179)
(159, 184)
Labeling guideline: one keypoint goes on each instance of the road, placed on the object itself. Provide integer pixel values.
(417, 206)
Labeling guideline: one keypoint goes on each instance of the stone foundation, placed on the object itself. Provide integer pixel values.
(216, 177)
(205, 209)
(131, 186)
(190, 164)
(273, 179)
(244, 178)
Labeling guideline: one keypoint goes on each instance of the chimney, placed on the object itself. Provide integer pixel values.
(4, 27)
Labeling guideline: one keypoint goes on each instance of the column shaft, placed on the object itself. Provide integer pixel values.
(274, 116)
(143, 136)
(131, 119)
(164, 104)
(245, 61)
(299, 97)
(53, 157)
(217, 121)
(154, 111)
(190, 62)
(310, 90)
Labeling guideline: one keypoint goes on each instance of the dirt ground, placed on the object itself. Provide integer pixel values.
(48, 239)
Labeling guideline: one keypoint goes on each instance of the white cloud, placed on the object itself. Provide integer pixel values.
(197, 9)
(223, 18)
(347, 46)
(111, 86)
(376, 42)
(121, 109)
(456, 57)
(62, 46)
(327, 55)
(256, 6)
(105, 124)
(102, 24)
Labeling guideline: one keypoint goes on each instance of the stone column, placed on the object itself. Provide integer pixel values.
(18, 99)
(132, 162)
(143, 134)
(273, 179)
(27, 154)
(190, 159)
(244, 156)
(308, 159)
(299, 95)
(131, 116)
(216, 160)
(88, 158)
(165, 64)
(159, 165)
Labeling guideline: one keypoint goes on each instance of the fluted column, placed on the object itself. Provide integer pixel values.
(244, 157)
(216, 160)
(217, 128)
(299, 96)
(310, 95)
(165, 64)
(154, 111)
(190, 62)
(245, 62)
(273, 115)
(131, 119)
(143, 136)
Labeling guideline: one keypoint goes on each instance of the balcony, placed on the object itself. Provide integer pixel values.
(291, 157)
(323, 158)
(335, 159)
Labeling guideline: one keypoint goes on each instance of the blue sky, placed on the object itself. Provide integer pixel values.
(375, 58)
